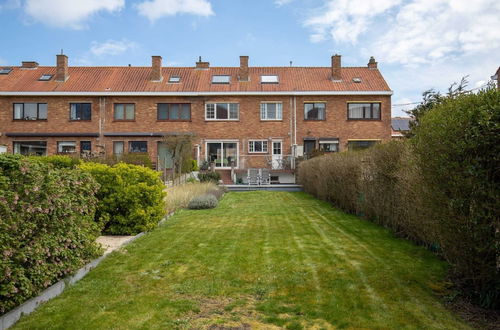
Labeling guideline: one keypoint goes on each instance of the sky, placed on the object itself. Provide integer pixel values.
(419, 44)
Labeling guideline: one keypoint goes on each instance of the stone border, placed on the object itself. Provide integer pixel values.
(10, 318)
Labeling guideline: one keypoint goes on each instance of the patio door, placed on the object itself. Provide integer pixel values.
(222, 154)
(165, 160)
(277, 157)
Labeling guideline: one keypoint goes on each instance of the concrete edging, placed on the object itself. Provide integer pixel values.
(10, 318)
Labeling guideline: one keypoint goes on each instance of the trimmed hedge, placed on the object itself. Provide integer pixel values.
(130, 200)
(439, 188)
(47, 227)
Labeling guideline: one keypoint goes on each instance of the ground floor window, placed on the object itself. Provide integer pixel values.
(118, 147)
(329, 145)
(257, 146)
(138, 146)
(37, 148)
(361, 144)
(223, 154)
(66, 146)
(85, 147)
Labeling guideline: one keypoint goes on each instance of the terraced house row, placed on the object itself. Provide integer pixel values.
(241, 117)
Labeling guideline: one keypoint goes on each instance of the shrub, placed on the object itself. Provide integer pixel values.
(58, 161)
(439, 188)
(179, 196)
(130, 199)
(133, 158)
(194, 165)
(209, 177)
(191, 180)
(47, 227)
(206, 201)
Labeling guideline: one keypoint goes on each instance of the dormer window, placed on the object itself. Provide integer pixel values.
(269, 79)
(5, 70)
(221, 79)
(174, 79)
(45, 77)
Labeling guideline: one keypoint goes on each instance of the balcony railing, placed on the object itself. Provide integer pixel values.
(277, 163)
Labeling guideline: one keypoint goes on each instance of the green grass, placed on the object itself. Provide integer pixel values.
(261, 259)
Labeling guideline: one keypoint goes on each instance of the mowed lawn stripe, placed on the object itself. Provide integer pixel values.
(260, 260)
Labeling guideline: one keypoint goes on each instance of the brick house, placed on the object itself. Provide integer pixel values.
(242, 117)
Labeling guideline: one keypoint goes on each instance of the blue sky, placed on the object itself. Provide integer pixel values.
(419, 44)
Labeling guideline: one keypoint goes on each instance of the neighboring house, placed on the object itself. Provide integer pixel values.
(243, 117)
(496, 77)
(400, 126)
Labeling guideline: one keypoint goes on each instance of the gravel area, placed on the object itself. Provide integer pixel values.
(111, 243)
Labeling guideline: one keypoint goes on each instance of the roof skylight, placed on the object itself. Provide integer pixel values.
(5, 70)
(46, 77)
(269, 79)
(356, 79)
(174, 79)
(221, 79)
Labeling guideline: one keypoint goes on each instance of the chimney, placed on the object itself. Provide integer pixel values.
(336, 68)
(243, 73)
(29, 65)
(372, 64)
(202, 65)
(156, 69)
(62, 73)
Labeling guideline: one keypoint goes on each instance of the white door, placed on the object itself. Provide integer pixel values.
(277, 155)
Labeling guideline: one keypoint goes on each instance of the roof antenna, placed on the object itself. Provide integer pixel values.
(199, 59)
(291, 63)
(129, 65)
(62, 52)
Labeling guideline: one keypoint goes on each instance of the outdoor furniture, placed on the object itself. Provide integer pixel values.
(265, 177)
(253, 176)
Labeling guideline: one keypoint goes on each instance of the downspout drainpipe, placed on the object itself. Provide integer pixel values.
(294, 136)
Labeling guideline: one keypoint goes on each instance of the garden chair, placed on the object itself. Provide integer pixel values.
(253, 176)
(265, 177)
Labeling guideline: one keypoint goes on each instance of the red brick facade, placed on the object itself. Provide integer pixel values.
(292, 129)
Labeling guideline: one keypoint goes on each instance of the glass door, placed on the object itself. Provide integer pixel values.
(277, 155)
(223, 154)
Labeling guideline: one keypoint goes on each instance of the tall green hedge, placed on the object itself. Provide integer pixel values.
(47, 227)
(439, 188)
(131, 197)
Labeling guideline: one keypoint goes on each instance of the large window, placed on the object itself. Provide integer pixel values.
(223, 154)
(174, 111)
(271, 111)
(80, 111)
(138, 146)
(257, 146)
(36, 148)
(66, 147)
(362, 111)
(124, 111)
(314, 111)
(361, 144)
(30, 111)
(222, 111)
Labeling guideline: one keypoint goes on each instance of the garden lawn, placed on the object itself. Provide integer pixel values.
(259, 260)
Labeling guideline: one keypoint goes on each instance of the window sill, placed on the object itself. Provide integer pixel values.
(78, 120)
(174, 120)
(271, 119)
(125, 120)
(364, 119)
(208, 120)
(305, 119)
(29, 119)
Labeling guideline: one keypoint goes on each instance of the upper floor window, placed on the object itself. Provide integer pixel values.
(138, 146)
(222, 111)
(174, 111)
(269, 79)
(257, 146)
(314, 111)
(221, 79)
(30, 111)
(124, 111)
(80, 111)
(363, 110)
(271, 111)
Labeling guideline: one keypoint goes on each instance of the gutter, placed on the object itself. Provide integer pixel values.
(293, 93)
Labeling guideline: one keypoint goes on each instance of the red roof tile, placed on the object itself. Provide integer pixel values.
(137, 79)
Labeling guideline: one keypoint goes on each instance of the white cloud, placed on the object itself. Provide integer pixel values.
(155, 9)
(280, 3)
(68, 13)
(111, 47)
(10, 4)
(346, 20)
(410, 33)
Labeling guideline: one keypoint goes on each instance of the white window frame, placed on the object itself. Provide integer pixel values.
(224, 141)
(269, 79)
(251, 147)
(61, 144)
(279, 111)
(228, 111)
